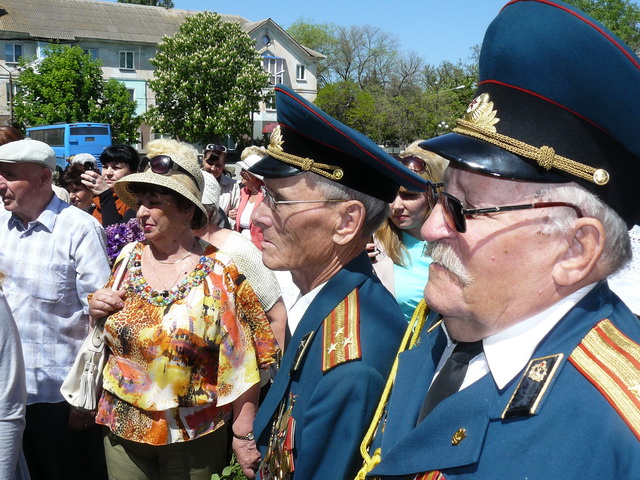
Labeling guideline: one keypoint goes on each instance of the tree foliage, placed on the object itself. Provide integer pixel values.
(391, 96)
(622, 17)
(208, 81)
(67, 86)
(153, 3)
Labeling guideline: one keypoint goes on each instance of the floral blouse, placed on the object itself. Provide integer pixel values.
(180, 358)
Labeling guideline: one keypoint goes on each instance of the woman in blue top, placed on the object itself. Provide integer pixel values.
(398, 247)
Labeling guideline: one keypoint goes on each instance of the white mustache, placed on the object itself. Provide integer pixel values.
(444, 256)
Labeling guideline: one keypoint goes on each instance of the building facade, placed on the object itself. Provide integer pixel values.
(125, 37)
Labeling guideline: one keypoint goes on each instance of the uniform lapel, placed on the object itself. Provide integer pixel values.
(338, 287)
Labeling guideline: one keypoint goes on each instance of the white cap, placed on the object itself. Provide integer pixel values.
(27, 150)
(211, 191)
(82, 158)
(249, 162)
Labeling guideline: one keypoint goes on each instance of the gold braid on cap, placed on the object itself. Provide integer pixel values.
(306, 164)
(479, 122)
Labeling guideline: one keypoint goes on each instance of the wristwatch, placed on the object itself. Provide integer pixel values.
(248, 436)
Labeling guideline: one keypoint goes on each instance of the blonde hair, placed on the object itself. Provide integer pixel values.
(253, 150)
(163, 145)
(389, 236)
(3, 275)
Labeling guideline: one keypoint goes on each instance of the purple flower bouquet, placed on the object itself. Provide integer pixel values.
(120, 234)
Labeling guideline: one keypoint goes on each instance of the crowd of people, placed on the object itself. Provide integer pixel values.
(340, 312)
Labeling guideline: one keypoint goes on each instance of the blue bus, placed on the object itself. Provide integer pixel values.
(68, 139)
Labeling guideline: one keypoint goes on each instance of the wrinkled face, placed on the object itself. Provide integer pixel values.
(214, 162)
(160, 217)
(19, 186)
(113, 172)
(297, 237)
(409, 211)
(81, 196)
(507, 258)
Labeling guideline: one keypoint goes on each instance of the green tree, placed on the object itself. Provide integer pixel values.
(153, 3)
(67, 86)
(208, 81)
(622, 17)
(319, 37)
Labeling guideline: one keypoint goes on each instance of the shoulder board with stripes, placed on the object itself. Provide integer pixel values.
(611, 362)
(341, 333)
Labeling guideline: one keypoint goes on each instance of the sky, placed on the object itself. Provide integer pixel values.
(435, 29)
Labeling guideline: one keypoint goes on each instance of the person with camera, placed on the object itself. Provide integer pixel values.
(214, 161)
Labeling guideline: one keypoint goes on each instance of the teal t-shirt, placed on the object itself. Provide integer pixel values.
(409, 282)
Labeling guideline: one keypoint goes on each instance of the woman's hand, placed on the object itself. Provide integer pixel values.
(247, 455)
(232, 213)
(94, 182)
(106, 301)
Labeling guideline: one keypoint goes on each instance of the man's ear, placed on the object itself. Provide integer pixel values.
(45, 176)
(585, 243)
(351, 216)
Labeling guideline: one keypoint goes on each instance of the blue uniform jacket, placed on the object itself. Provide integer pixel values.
(575, 433)
(333, 410)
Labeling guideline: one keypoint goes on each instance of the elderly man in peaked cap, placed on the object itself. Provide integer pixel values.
(531, 369)
(328, 188)
(54, 256)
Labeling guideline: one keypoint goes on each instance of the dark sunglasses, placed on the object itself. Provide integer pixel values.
(413, 163)
(216, 148)
(456, 216)
(163, 164)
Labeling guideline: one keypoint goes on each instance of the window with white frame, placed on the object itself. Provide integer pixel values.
(12, 52)
(301, 72)
(274, 66)
(126, 60)
(41, 50)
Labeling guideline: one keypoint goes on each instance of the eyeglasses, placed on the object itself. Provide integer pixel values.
(272, 203)
(413, 163)
(162, 164)
(433, 193)
(216, 148)
(456, 216)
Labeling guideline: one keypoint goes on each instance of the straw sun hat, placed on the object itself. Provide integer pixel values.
(175, 180)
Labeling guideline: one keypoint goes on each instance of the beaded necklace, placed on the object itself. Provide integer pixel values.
(138, 284)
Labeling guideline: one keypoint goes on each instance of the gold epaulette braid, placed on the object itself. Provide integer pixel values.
(544, 156)
(307, 164)
(411, 336)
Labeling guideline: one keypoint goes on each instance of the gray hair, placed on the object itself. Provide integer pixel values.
(617, 247)
(376, 210)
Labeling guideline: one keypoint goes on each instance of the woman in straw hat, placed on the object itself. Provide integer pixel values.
(187, 335)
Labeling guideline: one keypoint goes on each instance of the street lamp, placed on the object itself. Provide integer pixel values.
(10, 93)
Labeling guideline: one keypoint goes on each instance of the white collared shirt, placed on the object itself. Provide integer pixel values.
(52, 264)
(300, 306)
(506, 353)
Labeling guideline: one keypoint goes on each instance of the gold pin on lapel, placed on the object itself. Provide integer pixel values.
(460, 435)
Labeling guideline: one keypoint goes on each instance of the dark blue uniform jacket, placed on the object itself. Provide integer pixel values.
(333, 410)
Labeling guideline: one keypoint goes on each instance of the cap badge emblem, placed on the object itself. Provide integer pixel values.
(480, 112)
(276, 140)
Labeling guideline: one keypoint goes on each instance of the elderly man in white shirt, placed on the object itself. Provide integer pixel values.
(54, 256)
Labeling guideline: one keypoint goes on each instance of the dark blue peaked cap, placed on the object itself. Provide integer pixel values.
(557, 101)
(309, 140)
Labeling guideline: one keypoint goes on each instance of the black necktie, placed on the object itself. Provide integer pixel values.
(451, 376)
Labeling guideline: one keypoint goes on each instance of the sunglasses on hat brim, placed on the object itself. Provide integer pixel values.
(163, 164)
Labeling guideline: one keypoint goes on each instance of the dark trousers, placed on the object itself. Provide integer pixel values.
(55, 452)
